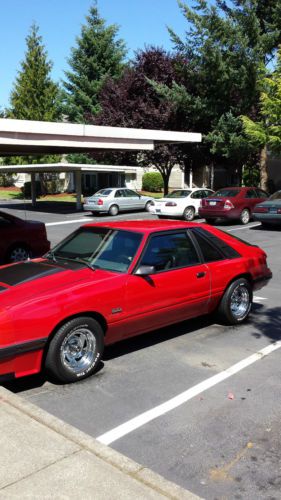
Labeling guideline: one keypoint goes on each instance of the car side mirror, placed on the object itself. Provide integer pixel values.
(145, 270)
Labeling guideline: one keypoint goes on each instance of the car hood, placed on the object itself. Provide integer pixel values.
(36, 277)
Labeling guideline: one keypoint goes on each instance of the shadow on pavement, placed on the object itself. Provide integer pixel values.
(55, 207)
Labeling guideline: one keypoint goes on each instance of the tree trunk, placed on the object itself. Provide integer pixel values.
(166, 177)
(263, 169)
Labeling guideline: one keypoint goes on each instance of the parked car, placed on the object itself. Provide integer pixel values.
(269, 212)
(183, 203)
(108, 282)
(115, 200)
(232, 203)
(21, 239)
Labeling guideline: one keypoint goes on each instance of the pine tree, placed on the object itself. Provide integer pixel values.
(97, 57)
(35, 95)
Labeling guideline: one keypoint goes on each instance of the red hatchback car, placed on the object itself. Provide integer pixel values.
(108, 282)
(21, 239)
(232, 203)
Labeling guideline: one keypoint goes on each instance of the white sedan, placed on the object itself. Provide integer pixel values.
(183, 203)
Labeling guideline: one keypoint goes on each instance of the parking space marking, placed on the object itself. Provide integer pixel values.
(259, 298)
(244, 227)
(142, 419)
(68, 221)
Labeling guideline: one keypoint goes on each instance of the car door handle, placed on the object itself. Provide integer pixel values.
(201, 275)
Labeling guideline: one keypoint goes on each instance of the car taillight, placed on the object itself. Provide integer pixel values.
(279, 210)
(228, 205)
(170, 204)
(100, 201)
(261, 210)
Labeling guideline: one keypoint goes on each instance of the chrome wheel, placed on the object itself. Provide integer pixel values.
(245, 216)
(188, 213)
(18, 253)
(240, 302)
(148, 205)
(77, 350)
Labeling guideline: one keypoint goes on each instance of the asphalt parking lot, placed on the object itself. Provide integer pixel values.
(197, 402)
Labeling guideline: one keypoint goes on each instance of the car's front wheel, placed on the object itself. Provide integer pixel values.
(236, 303)
(188, 213)
(113, 210)
(75, 350)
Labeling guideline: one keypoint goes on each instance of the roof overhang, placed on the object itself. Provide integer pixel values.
(24, 137)
(66, 167)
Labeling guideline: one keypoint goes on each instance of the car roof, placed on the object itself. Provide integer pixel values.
(144, 225)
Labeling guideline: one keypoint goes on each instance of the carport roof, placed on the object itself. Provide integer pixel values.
(24, 137)
(65, 167)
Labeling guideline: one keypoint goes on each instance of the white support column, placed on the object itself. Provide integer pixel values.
(78, 187)
(190, 178)
(33, 189)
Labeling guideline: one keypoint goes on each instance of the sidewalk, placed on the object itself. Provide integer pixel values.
(41, 457)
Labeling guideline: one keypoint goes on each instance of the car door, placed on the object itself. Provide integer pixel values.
(178, 289)
(134, 200)
(197, 197)
(9, 232)
(251, 199)
(120, 199)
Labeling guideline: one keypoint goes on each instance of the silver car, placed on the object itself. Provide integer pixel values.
(114, 200)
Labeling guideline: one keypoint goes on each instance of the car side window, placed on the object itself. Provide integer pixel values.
(197, 195)
(170, 251)
(207, 192)
(4, 221)
(261, 194)
(119, 194)
(131, 194)
(209, 252)
(251, 193)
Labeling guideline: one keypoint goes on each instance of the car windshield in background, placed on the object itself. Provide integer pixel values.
(101, 248)
(226, 193)
(275, 196)
(179, 193)
(103, 192)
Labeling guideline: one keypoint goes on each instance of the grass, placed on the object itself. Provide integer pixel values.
(16, 194)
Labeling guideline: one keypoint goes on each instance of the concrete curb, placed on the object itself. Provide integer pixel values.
(103, 452)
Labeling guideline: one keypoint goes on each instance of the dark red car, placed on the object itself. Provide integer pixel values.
(108, 282)
(232, 203)
(21, 239)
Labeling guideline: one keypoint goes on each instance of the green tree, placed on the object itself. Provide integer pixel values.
(225, 43)
(99, 55)
(265, 131)
(35, 95)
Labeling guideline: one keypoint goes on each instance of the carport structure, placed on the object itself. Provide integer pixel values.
(23, 137)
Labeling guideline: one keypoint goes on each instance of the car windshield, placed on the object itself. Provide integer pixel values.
(226, 193)
(103, 192)
(99, 248)
(179, 193)
(275, 196)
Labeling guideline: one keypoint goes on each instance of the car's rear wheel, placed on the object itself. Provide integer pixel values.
(18, 253)
(75, 350)
(188, 213)
(148, 205)
(236, 303)
(113, 210)
(245, 216)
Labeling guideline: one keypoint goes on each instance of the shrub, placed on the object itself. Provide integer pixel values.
(152, 182)
(6, 180)
(26, 189)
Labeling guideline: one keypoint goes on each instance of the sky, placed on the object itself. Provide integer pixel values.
(141, 23)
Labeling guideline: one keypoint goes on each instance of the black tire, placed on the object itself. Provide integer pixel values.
(188, 214)
(113, 210)
(245, 216)
(210, 221)
(236, 303)
(148, 204)
(17, 253)
(62, 359)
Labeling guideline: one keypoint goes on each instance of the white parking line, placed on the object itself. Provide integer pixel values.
(259, 298)
(85, 219)
(244, 227)
(137, 422)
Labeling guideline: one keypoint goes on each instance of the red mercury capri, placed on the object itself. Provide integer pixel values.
(110, 281)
